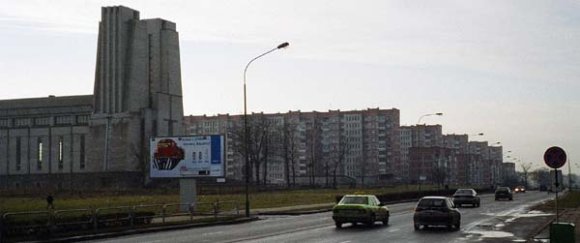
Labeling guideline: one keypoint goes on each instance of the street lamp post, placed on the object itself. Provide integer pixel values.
(432, 114)
(246, 128)
(418, 122)
(494, 166)
(468, 166)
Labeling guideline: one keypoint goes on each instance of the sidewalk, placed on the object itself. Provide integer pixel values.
(568, 216)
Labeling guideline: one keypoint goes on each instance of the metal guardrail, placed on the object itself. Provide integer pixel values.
(84, 217)
(119, 215)
(44, 219)
(147, 219)
(58, 221)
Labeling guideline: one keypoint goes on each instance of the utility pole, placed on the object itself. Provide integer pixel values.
(569, 176)
(107, 141)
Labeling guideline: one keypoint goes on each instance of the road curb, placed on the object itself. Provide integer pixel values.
(299, 212)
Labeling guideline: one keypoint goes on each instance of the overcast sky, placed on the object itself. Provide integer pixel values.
(509, 69)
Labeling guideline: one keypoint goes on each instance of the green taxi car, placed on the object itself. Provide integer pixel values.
(364, 209)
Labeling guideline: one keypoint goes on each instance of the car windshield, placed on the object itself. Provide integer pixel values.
(432, 203)
(463, 192)
(354, 200)
(502, 189)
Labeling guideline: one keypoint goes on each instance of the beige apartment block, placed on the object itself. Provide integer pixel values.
(321, 148)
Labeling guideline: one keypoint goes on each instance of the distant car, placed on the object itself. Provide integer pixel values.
(466, 196)
(366, 209)
(436, 211)
(520, 189)
(504, 193)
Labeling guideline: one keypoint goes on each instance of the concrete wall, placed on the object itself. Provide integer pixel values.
(49, 183)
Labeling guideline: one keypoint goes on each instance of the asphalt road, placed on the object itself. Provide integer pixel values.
(475, 224)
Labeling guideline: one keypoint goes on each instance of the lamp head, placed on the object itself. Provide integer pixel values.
(283, 45)
(439, 113)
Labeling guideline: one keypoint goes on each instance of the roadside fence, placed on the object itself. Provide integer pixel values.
(17, 226)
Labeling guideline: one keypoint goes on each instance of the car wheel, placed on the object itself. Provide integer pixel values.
(372, 220)
(338, 225)
(386, 221)
(417, 226)
(457, 226)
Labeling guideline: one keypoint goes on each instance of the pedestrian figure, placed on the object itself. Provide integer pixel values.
(49, 201)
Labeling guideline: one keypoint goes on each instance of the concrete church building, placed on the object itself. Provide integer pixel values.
(100, 140)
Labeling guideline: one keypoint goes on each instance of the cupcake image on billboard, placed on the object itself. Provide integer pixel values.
(167, 155)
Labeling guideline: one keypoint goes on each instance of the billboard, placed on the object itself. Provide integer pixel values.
(191, 156)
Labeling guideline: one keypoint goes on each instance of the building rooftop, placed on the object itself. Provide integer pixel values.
(46, 102)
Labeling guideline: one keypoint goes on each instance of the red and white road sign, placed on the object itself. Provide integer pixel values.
(555, 157)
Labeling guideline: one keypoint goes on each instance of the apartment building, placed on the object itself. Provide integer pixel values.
(474, 162)
(432, 165)
(460, 142)
(488, 170)
(312, 147)
(417, 136)
(509, 171)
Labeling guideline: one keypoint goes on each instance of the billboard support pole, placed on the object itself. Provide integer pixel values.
(187, 193)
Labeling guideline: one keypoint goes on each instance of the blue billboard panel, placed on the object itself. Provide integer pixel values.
(192, 156)
(216, 149)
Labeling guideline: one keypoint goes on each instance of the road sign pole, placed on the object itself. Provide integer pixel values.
(556, 184)
(555, 157)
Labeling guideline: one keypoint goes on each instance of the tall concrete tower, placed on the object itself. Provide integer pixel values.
(137, 92)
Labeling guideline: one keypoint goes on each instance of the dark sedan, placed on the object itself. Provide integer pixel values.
(433, 211)
(504, 193)
(466, 196)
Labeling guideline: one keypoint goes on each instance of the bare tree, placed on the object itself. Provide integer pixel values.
(526, 167)
(272, 151)
(314, 150)
(255, 144)
(265, 156)
(439, 170)
(258, 143)
(339, 156)
(290, 147)
(237, 134)
(541, 176)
